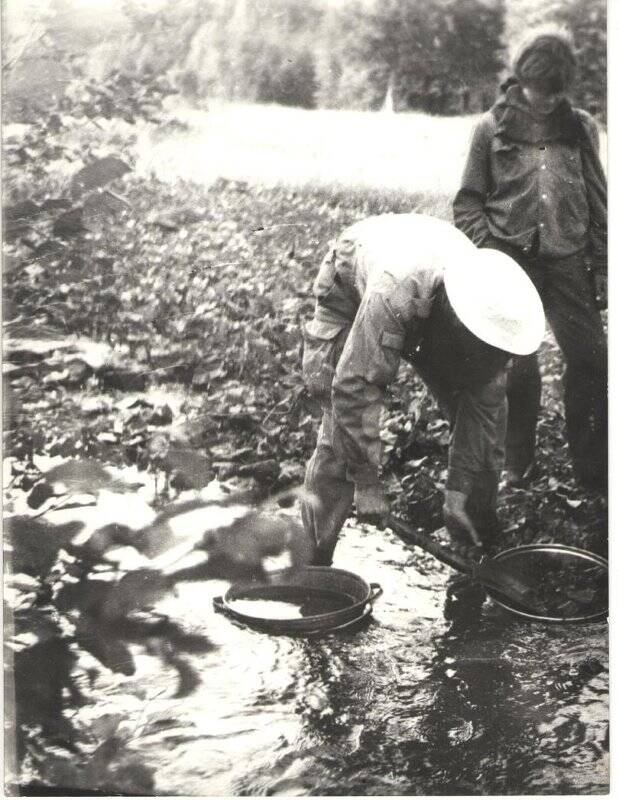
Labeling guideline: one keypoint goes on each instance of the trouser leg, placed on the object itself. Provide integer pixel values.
(577, 326)
(524, 385)
(481, 507)
(524, 390)
(330, 496)
(481, 504)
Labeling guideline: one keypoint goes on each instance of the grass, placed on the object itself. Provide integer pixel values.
(402, 154)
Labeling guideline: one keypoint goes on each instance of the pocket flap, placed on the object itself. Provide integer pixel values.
(319, 329)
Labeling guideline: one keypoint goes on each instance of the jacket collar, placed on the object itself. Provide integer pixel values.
(518, 122)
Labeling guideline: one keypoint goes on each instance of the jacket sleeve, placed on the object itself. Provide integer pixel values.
(469, 204)
(477, 445)
(595, 182)
(369, 363)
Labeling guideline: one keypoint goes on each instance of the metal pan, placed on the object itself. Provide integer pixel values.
(328, 598)
(573, 582)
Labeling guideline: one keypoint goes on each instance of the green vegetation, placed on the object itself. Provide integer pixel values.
(437, 56)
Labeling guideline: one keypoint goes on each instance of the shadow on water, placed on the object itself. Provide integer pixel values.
(440, 694)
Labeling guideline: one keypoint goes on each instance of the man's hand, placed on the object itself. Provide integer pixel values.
(600, 283)
(457, 521)
(371, 504)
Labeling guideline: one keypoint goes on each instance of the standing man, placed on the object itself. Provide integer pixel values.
(411, 286)
(534, 187)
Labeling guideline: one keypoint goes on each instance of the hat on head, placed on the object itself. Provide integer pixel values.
(495, 299)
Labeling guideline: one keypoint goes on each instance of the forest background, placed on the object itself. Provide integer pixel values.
(437, 56)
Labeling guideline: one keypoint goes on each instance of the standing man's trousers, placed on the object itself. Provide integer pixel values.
(569, 304)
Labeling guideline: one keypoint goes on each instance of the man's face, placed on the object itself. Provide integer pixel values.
(542, 99)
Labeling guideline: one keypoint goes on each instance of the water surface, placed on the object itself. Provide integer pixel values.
(414, 703)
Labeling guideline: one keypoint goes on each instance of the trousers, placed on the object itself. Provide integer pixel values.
(329, 496)
(569, 303)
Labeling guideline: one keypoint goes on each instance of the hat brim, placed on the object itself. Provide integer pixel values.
(496, 300)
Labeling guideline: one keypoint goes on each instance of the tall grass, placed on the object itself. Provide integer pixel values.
(266, 145)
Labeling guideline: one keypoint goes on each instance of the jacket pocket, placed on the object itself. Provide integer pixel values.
(323, 343)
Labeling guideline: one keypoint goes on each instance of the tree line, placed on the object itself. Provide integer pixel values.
(435, 56)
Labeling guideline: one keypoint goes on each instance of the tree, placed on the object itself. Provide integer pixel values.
(430, 51)
(343, 71)
(474, 51)
(586, 20)
(288, 80)
(439, 56)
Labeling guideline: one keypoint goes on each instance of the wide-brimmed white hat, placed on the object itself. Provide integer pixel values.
(496, 300)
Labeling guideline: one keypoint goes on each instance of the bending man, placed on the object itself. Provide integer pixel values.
(411, 286)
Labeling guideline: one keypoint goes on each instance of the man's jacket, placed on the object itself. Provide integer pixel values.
(535, 184)
(374, 293)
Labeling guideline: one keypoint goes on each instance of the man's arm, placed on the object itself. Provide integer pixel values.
(367, 366)
(469, 203)
(369, 363)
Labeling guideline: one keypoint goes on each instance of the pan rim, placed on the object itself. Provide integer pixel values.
(549, 547)
(300, 624)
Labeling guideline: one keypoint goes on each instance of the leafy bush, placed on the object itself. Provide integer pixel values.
(66, 596)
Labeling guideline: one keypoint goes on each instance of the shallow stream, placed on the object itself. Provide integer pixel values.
(414, 703)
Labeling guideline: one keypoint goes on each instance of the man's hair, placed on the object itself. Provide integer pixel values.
(545, 60)
(450, 351)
